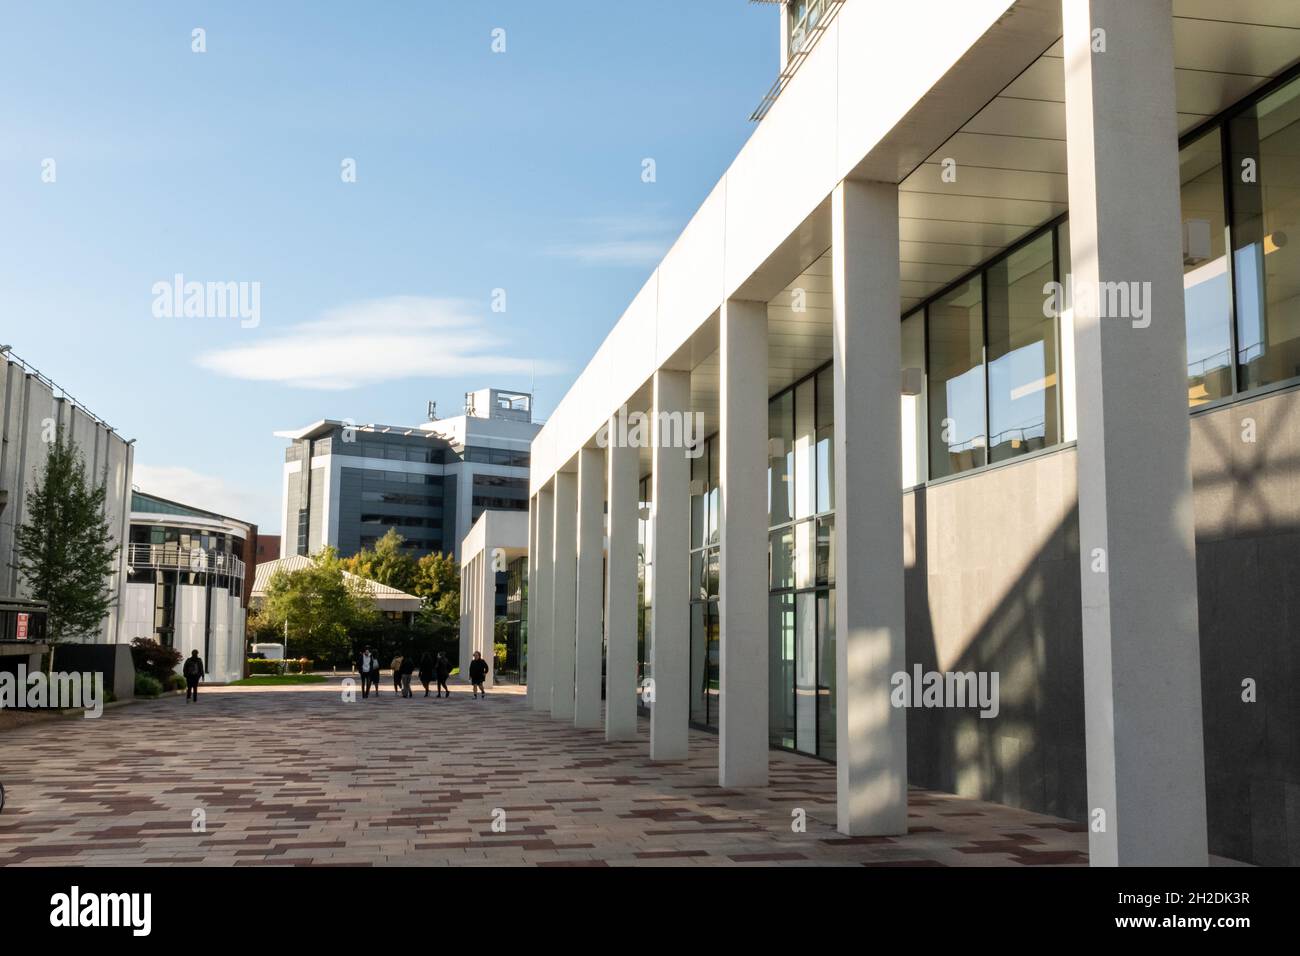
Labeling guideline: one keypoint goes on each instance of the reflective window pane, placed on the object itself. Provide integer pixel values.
(913, 399)
(780, 450)
(825, 441)
(780, 624)
(1206, 295)
(1265, 141)
(1022, 342)
(805, 554)
(805, 450)
(956, 381)
(781, 559)
(826, 674)
(805, 675)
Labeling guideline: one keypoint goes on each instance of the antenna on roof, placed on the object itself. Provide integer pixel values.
(433, 411)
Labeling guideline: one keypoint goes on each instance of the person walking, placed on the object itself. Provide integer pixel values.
(193, 671)
(442, 668)
(408, 668)
(397, 673)
(368, 668)
(426, 671)
(478, 671)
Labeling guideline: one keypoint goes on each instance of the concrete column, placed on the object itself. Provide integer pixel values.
(487, 632)
(670, 627)
(531, 565)
(591, 571)
(870, 734)
(1141, 658)
(540, 595)
(565, 586)
(621, 593)
(468, 612)
(743, 588)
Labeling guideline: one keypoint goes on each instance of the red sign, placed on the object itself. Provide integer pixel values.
(22, 627)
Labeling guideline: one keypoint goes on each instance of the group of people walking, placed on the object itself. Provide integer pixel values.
(431, 669)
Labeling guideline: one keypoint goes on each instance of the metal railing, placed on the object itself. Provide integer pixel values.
(803, 37)
(174, 557)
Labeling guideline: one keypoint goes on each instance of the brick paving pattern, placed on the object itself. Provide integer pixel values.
(296, 777)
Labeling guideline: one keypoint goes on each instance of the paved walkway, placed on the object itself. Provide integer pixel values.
(295, 776)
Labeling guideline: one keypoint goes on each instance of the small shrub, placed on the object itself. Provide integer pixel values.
(175, 682)
(147, 686)
(154, 659)
(259, 666)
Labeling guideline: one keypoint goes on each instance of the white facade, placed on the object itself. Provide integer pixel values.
(914, 143)
(496, 539)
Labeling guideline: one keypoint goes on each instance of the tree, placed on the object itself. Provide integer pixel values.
(64, 548)
(437, 580)
(388, 563)
(322, 607)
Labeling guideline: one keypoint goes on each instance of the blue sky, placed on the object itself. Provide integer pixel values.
(475, 171)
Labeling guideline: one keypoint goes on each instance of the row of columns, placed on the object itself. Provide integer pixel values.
(478, 613)
(1141, 662)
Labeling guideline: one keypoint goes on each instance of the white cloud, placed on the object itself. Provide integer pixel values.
(375, 341)
(621, 242)
(207, 492)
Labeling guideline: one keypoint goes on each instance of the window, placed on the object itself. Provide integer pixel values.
(913, 399)
(801, 569)
(1264, 141)
(956, 381)
(780, 453)
(825, 441)
(1206, 294)
(1022, 345)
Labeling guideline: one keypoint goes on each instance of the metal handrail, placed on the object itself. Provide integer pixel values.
(818, 17)
(175, 557)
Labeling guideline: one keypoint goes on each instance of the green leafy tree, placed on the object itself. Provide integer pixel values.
(321, 606)
(388, 563)
(64, 549)
(438, 583)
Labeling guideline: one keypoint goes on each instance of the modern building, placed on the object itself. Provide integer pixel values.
(34, 408)
(345, 485)
(994, 328)
(493, 584)
(188, 581)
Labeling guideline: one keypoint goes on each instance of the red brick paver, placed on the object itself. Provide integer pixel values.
(296, 776)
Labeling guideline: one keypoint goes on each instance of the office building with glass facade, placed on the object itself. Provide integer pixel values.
(1006, 381)
(346, 485)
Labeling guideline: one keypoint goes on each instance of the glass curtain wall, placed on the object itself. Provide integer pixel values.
(516, 617)
(643, 572)
(705, 648)
(1243, 308)
(801, 627)
(1265, 203)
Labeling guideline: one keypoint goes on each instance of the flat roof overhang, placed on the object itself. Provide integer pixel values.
(985, 87)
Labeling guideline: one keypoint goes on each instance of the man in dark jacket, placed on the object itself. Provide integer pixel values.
(442, 670)
(193, 671)
(368, 667)
(478, 669)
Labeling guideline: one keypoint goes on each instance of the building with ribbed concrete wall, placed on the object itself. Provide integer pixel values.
(34, 408)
